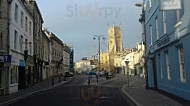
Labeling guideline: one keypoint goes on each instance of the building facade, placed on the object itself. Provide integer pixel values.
(56, 55)
(38, 42)
(21, 46)
(46, 70)
(4, 44)
(83, 66)
(167, 48)
(66, 58)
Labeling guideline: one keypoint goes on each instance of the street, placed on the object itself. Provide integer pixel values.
(75, 93)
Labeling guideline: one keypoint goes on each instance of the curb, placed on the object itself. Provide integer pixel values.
(129, 96)
(31, 93)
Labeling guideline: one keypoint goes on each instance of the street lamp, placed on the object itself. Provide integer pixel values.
(99, 36)
(127, 64)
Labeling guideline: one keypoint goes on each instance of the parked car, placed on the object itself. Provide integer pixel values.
(108, 75)
(68, 74)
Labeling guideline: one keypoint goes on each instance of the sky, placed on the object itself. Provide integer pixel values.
(76, 22)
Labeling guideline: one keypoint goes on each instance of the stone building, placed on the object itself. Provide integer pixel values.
(66, 58)
(4, 44)
(46, 70)
(38, 42)
(114, 49)
(21, 46)
(56, 52)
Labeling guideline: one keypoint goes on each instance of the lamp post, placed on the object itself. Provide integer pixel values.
(127, 65)
(99, 37)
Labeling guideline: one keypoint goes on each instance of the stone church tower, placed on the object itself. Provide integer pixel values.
(114, 43)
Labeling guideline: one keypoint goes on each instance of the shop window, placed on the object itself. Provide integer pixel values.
(14, 78)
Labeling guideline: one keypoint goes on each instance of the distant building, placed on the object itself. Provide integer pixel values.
(72, 59)
(66, 58)
(167, 48)
(111, 60)
(46, 69)
(83, 66)
(56, 52)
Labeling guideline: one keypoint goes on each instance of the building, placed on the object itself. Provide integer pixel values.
(139, 60)
(21, 46)
(4, 45)
(128, 62)
(83, 65)
(38, 42)
(66, 58)
(56, 52)
(46, 70)
(111, 60)
(72, 60)
(167, 48)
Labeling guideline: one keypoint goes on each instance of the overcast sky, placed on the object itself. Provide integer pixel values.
(76, 22)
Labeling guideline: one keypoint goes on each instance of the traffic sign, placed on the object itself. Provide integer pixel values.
(7, 60)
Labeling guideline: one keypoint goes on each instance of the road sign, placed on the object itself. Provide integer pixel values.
(7, 60)
(170, 4)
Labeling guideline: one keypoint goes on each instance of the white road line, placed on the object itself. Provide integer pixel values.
(31, 93)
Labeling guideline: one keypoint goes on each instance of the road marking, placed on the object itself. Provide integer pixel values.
(31, 93)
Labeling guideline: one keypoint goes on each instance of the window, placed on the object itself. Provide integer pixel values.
(157, 30)
(1, 40)
(21, 42)
(30, 48)
(14, 78)
(150, 4)
(168, 65)
(16, 12)
(15, 39)
(181, 63)
(26, 47)
(151, 38)
(21, 19)
(160, 66)
(0, 80)
(30, 26)
(26, 24)
(164, 21)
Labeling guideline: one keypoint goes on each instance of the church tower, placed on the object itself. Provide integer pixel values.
(114, 43)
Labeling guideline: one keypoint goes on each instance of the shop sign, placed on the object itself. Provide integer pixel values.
(21, 62)
(170, 4)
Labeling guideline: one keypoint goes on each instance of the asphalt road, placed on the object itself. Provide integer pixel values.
(75, 93)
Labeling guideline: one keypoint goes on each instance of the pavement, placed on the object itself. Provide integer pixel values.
(39, 87)
(149, 97)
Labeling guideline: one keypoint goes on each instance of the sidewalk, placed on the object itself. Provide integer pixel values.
(148, 97)
(30, 90)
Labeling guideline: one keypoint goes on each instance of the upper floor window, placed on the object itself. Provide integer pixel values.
(30, 28)
(1, 39)
(30, 47)
(15, 39)
(164, 21)
(16, 12)
(151, 35)
(181, 63)
(26, 47)
(26, 24)
(150, 3)
(157, 29)
(21, 19)
(21, 42)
